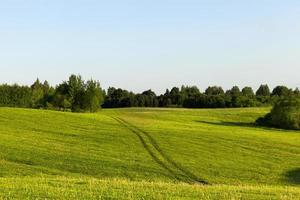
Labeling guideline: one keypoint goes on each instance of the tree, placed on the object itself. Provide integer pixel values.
(248, 92)
(214, 90)
(285, 114)
(48, 94)
(233, 97)
(15, 96)
(281, 91)
(37, 94)
(93, 96)
(150, 98)
(189, 91)
(212, 98)
(190, 97)
(61, 102)
(165, 99)
(248, 98)
(263, 94)
(175, 96)
(141, 99)
(116, 98)
(61, 98)
(263, 90)
(297, 92)
(76, 92)
(46, 87)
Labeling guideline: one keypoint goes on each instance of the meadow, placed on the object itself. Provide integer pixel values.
(141, 153)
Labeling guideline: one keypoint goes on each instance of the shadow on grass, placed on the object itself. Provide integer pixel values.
(293, 176)
(245, 124)
(223, 123)
(240, 124)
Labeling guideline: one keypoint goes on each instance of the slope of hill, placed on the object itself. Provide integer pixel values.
(146, 153)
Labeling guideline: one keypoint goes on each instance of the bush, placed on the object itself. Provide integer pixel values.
(285, 114)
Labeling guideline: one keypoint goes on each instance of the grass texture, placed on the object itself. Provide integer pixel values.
(146, 154)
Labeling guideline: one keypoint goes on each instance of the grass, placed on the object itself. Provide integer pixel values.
(90, 188)
(146, 153)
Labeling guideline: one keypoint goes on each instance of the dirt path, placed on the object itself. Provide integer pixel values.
(176, 171)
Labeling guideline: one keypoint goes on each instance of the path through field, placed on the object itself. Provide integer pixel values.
(151, 146)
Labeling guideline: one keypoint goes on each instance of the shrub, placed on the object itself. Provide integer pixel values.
(285, 114)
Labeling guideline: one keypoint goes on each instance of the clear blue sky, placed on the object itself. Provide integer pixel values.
(155, 44)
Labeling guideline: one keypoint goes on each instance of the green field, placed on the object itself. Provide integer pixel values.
(146, 154)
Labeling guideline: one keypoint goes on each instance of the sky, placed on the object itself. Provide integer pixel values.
(151, 44)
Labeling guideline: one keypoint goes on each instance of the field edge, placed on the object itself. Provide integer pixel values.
(92, 188)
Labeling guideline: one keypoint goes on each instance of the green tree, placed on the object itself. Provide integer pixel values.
(263, 90)
(93, 96)
(61, 98)
(175, 96)
(281, 91)
(297, 92)
(248, 92)
(263, 94)
(190, 96)
(233, 97)
(285, 114)
(37, 94)
(76, 92)
(150, 98)
(165, 100)
(214, 90)
(248, 98)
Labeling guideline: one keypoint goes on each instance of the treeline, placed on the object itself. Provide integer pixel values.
(78, 95)
(191, 97)
(75, 95)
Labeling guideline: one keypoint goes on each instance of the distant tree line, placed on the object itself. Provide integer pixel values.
(78, 95)
(75, 95)
(191, 97)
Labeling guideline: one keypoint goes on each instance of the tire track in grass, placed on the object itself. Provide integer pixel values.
(168, 159)
(148, 149)
(185, 172)
(166, 162)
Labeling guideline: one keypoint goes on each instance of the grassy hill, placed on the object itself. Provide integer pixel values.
(146, 153)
